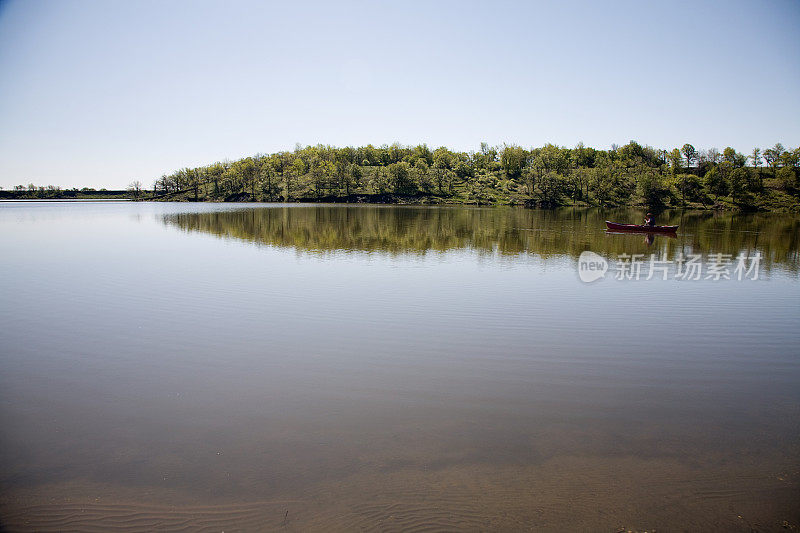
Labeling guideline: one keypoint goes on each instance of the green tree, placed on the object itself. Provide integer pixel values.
(675, 161)
(353, 176)
(652, 188)
(733, 157)
(716, 183)
(600, 183)
(786, 177)
(512, 160)
(487, 156)
(675, 167)
(379, 184)
(755, 157)
(442, 158)
(690, 154)
(692, 188)
(291, 176)
(773, 157)
(401, 179)
(267, 177)
(738, 180)
(551, 188)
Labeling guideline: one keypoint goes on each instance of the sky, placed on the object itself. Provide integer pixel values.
(101, 93)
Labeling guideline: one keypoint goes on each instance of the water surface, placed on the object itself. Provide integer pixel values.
(313, 367)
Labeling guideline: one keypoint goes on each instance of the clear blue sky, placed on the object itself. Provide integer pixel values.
(100, 93)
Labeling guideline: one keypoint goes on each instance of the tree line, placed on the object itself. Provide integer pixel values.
(546, 176)
(52, 192)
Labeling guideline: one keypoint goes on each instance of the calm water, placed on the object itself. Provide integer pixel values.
(271, 367)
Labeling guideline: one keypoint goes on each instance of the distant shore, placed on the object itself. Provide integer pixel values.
(632, 175)
(68, 194)
(778, 205)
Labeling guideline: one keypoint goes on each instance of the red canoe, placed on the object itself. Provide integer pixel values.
(638, 227)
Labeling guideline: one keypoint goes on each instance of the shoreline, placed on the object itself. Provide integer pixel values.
(394, 199)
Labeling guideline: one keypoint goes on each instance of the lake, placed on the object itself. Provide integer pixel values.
(328, 367)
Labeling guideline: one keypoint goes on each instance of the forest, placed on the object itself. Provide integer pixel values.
(548, 176)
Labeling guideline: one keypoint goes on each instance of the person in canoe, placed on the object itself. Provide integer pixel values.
(650, 220)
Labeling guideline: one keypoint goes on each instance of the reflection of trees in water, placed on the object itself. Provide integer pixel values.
(398, 230)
